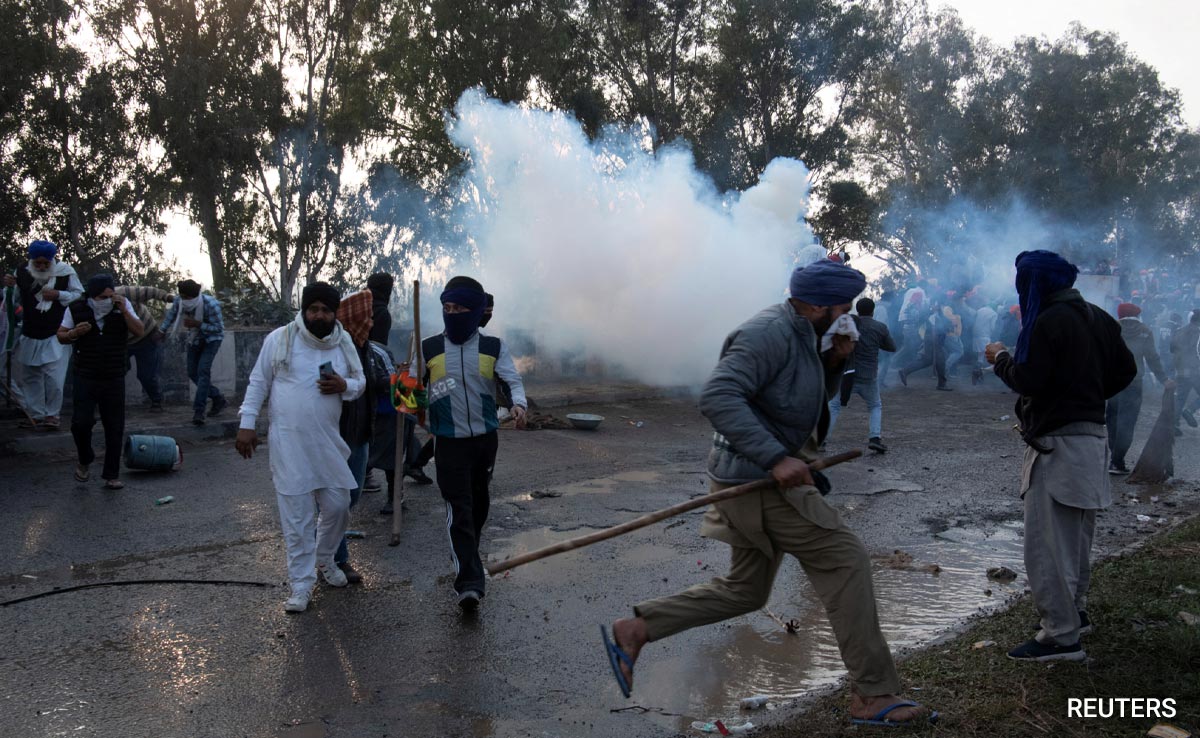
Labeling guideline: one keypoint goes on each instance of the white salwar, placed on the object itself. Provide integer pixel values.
(40, 364)
(308, 455)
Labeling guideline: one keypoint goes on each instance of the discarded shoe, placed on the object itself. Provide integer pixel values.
(1034, 650)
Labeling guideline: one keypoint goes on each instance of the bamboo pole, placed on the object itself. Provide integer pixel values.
(414, 367)
(659, 515)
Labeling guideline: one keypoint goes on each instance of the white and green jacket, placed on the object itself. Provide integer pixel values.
(461, 381)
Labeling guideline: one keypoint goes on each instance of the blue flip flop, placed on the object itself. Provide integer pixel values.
(614, 652)
(881, 717)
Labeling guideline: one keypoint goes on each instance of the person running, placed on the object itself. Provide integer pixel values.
(765, 400)
(873, 337)
(461, 366)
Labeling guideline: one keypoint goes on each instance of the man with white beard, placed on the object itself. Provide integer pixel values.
(46, 286)
(309, 367)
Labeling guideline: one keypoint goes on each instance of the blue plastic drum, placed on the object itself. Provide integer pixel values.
(152, 453)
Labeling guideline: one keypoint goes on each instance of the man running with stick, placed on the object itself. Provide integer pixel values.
(767, 402)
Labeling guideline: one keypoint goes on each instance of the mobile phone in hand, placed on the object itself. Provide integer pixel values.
(326, 370)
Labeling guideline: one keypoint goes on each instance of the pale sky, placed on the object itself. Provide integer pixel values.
(1163, 33)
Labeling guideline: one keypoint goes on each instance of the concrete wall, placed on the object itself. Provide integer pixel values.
(230, 372)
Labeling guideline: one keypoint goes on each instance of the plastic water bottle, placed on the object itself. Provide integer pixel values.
(164, 500)
(754, 702)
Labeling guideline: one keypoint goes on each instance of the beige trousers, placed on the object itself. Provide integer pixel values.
(836, 563)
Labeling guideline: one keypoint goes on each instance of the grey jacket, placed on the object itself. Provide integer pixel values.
(767, 397)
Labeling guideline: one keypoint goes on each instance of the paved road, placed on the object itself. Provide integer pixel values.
(393, 657)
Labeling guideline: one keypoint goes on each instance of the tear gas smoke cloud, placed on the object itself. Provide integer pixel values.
(603, 249)
(964, 245)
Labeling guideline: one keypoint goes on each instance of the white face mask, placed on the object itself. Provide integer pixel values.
(101, 307)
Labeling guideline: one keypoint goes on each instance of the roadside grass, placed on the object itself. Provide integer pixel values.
(1140, 648)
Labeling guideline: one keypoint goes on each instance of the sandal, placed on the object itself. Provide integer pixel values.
(114, 484)
(81, 473)
(28, 423)
(49, 424)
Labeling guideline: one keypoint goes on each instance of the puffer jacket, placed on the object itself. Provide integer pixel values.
(768, 395)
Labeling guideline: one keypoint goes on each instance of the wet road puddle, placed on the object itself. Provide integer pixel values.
(921, 596)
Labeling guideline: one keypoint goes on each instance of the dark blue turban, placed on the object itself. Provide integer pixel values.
(98, 284)
(826, 282)
(42, 250)
(1039, 275)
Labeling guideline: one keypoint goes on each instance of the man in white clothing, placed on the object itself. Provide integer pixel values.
(309, 367)
(46, 286)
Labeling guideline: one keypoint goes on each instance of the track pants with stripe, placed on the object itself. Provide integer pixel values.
(464, 468)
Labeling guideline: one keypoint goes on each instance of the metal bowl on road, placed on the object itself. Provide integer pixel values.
(585, 421)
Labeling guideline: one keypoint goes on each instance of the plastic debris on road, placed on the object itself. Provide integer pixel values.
(164, 500)
(754, 702)
(1163, 730)
(720, 727)
(980, 645)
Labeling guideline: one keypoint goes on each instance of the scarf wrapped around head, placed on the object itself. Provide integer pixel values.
(1040, 274)
(1128, 310)
(355, 316)
(98, 283)
(320, 292)
(825, 283)
(468, 293)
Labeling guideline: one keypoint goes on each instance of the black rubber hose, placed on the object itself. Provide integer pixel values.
(125, 582)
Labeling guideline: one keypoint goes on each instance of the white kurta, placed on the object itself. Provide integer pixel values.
(307, 452)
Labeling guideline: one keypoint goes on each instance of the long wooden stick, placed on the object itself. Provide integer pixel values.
(414, 364)
(659, 515)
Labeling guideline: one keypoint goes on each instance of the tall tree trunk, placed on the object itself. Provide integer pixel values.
(205, 205)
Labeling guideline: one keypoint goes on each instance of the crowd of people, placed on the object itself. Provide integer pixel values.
(336, 409)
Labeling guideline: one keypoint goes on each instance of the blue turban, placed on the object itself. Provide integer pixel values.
(42, 250)
(98, 284)
(826, 282)
(1039, 275)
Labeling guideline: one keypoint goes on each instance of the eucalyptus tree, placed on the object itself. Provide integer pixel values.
(205, 94)
(75, 169)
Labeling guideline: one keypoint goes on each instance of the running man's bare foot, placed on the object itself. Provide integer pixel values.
(865, 708)
(630, 635)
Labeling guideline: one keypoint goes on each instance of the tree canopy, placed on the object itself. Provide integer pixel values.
(308, 138)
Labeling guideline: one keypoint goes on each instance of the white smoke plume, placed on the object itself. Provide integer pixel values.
(608, 251)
